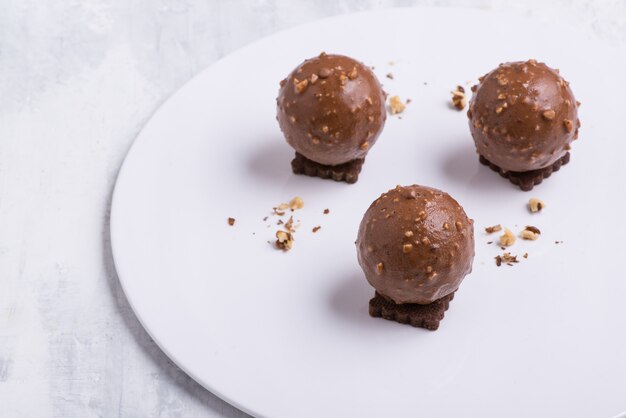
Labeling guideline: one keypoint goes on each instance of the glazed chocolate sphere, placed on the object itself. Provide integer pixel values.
(523, 116)
(331, 109)
(415, 244)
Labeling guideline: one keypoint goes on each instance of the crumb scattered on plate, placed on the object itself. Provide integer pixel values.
(458, 98)
(326, 211)
(231, 221)
(317, 228)
(535, 205)
(396, 105)
(389, 76)
(492, 229)
(284, 236)
(508, 238)
(506, 258)
(530, 233)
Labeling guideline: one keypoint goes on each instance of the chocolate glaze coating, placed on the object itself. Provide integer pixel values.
(523, 116)
(415, 244)
(331, 109)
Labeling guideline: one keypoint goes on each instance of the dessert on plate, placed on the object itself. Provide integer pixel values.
(331, 109)
(415, 245)
(523, 117)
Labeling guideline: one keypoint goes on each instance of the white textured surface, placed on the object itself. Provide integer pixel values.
(77, 81)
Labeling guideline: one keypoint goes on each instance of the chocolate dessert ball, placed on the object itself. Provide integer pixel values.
(415, 244)
(331, 109)
(523, 116)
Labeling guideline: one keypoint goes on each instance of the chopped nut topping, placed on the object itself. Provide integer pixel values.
(458, 98)
(408, 234)
(407, 248)
(325, 129)
(364, 146)
(284, 240)
(446, 226)
(458, 225)
(395, 105)
(326, 211)
(353, 73)
(549, 114)
(492, 229)
(317, 228)
(535, 205)
(314, 78)
(379, 267)
(342, 78)
(324, 73)
(300, 86)
(569, 126)
(296, 203)
(508, 238)
(231, 221)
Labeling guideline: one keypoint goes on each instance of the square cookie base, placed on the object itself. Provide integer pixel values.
(423, 316)
(348, 172)
(526, 180)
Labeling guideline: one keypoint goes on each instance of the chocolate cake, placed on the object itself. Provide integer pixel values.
(415, 245)
(331, 109)
(523, 117)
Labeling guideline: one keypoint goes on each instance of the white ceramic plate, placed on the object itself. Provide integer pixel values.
(288, 334)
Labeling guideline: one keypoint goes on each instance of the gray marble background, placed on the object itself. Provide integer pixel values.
(78, 79)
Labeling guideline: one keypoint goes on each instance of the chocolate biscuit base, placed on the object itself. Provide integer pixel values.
(526, 180)
(348, 172)
(423, 316)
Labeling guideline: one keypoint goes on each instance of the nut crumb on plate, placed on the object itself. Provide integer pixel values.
(459, 100)
(506, 258)
(396, 105)
(507, 239)
(535, 205)
(492, 229)
(284, 240)
(317, 228)
(296, 203)
(231, 221)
